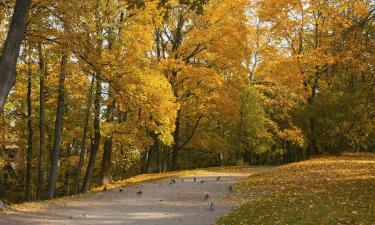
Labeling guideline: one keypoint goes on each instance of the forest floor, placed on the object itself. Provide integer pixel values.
(324, 190)
(160, 203)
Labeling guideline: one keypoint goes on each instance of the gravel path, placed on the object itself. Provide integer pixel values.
(160, 203)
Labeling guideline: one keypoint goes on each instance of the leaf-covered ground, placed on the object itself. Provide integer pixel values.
(327, 190)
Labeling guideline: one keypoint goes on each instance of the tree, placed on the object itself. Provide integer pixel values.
(11, 49)
(29, 171)
(55, 151)
(42, 123)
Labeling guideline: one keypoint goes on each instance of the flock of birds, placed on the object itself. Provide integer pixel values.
(173, 181)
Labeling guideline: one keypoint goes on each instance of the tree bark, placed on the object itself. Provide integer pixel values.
(42, 124)
(106, 177)
(84, 136)
(176, 137)
(29, 160)
(68, 170)
(55, 152)
(11, 49)
(95, 147)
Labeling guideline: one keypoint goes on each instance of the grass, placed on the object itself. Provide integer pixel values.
(35, 206)
(327, 190)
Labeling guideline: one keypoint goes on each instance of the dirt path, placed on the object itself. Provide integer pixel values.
(160, 203)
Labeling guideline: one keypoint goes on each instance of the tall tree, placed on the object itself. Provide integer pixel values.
(29, 160)
(84, 135)
(55, 151)
(8, 59)
(95, 145)
(42, 123)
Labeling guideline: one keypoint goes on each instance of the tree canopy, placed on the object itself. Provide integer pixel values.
(107, 89)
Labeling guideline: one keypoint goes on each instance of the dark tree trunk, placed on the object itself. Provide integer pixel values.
(84, 137)
(68, 170)
(176, 144)
(11, 49)
(55, 152)
(29, 160)
(42, 124)
(106, 177)
(95, 146)
(153, 162)
(147, 160)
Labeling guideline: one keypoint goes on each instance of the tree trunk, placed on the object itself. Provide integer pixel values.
(148, 160)
(11, 49)
(29, 160)
(221, 158)
(153, 162)
(42, 124)
(95, 147)
(176, 144)
(55, 152)
(84, 137)
(68, 170)
(106, 177)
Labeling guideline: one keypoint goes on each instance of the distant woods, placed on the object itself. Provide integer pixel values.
(109, 89)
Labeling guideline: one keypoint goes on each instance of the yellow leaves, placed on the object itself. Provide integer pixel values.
(326, 190)
(150, 93)
(2, 162)
(73, 160)
(172, 65)
(293, 134)
(361, 8)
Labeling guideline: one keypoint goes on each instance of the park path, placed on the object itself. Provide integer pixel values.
(160, 203)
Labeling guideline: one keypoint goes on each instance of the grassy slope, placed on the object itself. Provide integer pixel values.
(328, 190)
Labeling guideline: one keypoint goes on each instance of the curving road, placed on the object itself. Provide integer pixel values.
(160, 203)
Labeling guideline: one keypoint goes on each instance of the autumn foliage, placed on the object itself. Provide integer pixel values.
(108, 89)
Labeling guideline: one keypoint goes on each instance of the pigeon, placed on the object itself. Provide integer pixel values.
(212, 207)
(218, 178)
(195, 179)
(230, 188)
(172, 181)
(202, 181)
(206, 197)
(120, 190)
(139, 193)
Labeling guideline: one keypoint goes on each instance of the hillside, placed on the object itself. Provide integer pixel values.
(327, 190)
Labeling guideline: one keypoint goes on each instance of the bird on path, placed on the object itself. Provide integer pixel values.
(120, 190)
(230, 188)
(218, 178)
(105, 188)
(212, 207)
(202, 181)
(206, 197)
(139, 193)
(195, 179)
(172, 181)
